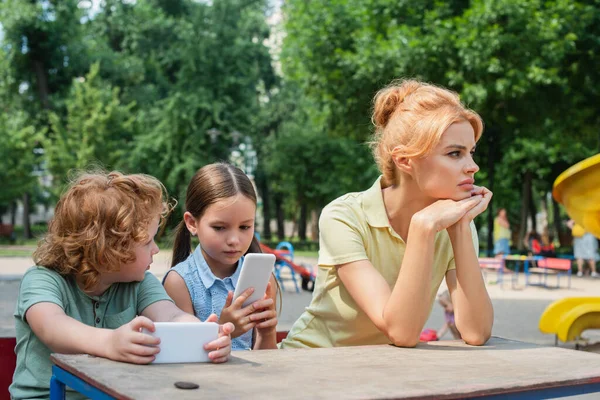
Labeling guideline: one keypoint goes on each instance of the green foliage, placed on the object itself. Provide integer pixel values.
(96, 130)
(526, 66)
(19, 162)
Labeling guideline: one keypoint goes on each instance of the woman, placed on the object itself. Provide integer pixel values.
(385, 251)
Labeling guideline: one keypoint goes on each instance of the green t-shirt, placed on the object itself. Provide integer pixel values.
(117, 306)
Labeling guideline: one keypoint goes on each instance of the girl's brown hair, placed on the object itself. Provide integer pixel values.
(410, 118)
(97, 223)
(210, 184)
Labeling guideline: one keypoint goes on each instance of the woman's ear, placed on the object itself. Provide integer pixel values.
(402, 163)
(190, 222)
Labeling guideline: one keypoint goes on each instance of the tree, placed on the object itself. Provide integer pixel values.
(523, 65)
(20, 139)
(97, 129)
(43, 50)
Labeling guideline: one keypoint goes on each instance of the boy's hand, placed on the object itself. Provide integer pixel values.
(220, 349)
(129, 344)
(240, 317)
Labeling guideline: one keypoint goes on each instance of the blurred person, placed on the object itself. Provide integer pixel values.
(585, 247)
(501, 233)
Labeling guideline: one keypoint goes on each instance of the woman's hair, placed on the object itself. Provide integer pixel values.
(210, 184)
(98, 221)
(410, 118)
(500, 211)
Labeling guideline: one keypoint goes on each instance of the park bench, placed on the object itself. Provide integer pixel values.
(552, 266)
(498, 265)
(8, 361)
(8, 231)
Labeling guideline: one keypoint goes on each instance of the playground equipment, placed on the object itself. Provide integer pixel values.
(568, 318)
(284, 258)
(578, 189)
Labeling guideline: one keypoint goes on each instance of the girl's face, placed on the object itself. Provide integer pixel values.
(225, 231)
(448, 172)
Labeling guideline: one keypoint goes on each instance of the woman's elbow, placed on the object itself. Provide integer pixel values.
(402, 339)
(476, 338)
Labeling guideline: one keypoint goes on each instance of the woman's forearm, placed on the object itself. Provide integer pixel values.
(408, 307)
(474, 314)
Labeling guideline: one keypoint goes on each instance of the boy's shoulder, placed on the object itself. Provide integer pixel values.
(38, 272)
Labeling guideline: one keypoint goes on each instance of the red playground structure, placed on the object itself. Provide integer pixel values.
(284, 258)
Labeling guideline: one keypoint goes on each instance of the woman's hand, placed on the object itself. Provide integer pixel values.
(485, 197)
(445, 213)
(242, 318)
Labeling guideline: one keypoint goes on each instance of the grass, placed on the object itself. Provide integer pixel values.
(306, 253)
(8, 252)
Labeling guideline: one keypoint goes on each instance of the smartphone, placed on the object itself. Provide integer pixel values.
(183, 342)
(256, 272)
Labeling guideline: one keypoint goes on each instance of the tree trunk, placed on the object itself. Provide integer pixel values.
(525, 200)
(556, 221)
(302, 222)
(314, 224)
(263, 189)
(532, 212)
(13, 213)
(490, 215)
(280, 217)
(26, 223)
(42, 83)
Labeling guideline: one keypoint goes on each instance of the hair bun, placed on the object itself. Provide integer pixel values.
(388, 99)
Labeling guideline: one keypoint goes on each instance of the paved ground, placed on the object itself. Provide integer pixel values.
(516, 310)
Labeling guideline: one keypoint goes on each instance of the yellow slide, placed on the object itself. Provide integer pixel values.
(578, 189)
(568, 318)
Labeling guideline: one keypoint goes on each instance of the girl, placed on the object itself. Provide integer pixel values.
(449, 325)
(384, 252)
(220, 207)
(92, 279)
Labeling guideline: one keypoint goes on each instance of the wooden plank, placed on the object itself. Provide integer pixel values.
(441, 370)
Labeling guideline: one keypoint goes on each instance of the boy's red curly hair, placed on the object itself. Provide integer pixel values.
(98, 221)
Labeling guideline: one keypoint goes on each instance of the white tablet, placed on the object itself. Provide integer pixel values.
(256, 272)
(183, 342)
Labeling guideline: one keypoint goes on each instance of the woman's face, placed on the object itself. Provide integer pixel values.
(448, 172)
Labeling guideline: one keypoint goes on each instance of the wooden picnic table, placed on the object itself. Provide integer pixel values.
(441, 370)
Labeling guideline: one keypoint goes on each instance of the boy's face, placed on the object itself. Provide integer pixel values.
(135, 270)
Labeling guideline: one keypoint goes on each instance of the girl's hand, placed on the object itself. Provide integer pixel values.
(129, 344)
(241, 317)
(444, 213)
(265, 319)
(220, 349)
